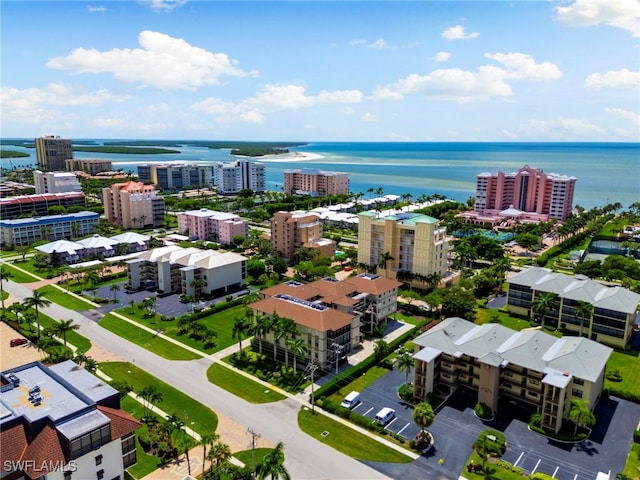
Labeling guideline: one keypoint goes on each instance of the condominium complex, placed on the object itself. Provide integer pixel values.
(177, 176)
(615, 309)
(38, 205)
(291, 231)
(25, 231)
(133, 205)
(240, 175)
(528, 195)
(56, 182)
(90, 166)
(189, 271)
(205, 224)
(314, 182)
(540, 372)
(61, 423)
(52, 151)
(411, 243)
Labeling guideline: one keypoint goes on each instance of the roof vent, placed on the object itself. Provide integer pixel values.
(566, 374)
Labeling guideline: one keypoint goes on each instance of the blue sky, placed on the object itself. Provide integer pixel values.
(322, 71)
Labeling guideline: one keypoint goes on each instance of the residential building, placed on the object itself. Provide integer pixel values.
(12, 189)
(528, 195)
(38, 205)
(177, 176)
(189, 271)
(615, 308)
(52, 151)
(56, 182)
(416, 246)
(315, 182)
(372, 297)
(133, 205)
(232, 177)
(62, 423)
(205, 224)
(291, 231)
(538, 371)
(90, 166)
(25, 231)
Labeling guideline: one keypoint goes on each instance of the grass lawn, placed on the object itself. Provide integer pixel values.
(83, 344)
(628, 365)
(408, 319)
(145, 339)
(359, 384)
(201, 418)
(247, 456)
(241, 386)
(63, 298)
(632, 468)
(347, 440)
(498, 472)
(19, 276)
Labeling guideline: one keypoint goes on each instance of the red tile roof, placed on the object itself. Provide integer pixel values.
(44, 450)
(122, 423)
(14, 442)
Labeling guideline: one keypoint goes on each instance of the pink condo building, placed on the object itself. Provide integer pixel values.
(207, 224)
(528, 195)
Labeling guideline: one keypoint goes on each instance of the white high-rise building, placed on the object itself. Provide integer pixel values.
(240, 175)
(56, 182)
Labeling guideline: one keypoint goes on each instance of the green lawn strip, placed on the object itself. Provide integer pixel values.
(628, 366)
(63, 298)
(19, 276)
(346, 440)
(255, 456)
(498, 471)
(408, 319)
(632, 466)
(241, 386)
(147, 340)
(83, 344)
(31, 268)
(200, 417)
(359, 384)
(222, 324)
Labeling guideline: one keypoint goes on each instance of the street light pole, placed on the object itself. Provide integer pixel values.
(254, 436)
(312, 367)
(337, 349)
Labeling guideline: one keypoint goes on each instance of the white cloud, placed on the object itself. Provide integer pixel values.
(368, 117)
(614, 79)
(625, 114)
(442, 56)
(161, 107)
(347, 110)
(272, 98)
(109, 123)
(358, 41)
(379, 43)
(521, 65)
(465, 86)
(163, 61)
(99, 9)
(624, 14)
(457, 33)
(561, 128)
(164, 5)
(55, 94)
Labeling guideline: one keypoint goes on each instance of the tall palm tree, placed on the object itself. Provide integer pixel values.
(543, 304)
(298, 349)
(5, 276)
(276, 329)
(273, 465)
(405, 363)
(197, 284)
(219, 453)
(115, 288)
(423, 415)
(385, 258)
(63, 327)
(241, 328)
(260, 329)
(37, 301)
(150, 395)
(581, 414)
(502, 266)
(288, 330)
(207, 440)
(584, 311)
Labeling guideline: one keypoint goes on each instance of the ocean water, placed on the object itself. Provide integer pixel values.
(605, 172)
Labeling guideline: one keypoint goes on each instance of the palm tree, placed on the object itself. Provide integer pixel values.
(405, 363)
(584, 310)
(273, 465)
(298, 348)
(241, 328)
(380, 191)
(482, 448)
(385, 258)
(502, 266)
(543, 304)
(261, 328)
(115, 288)
(197, 284)
(207, 440)
(4, 276)
(37, 301)
(380, 349)
(150, 395)
(423, 415)
(288, 331)
(219, 453)
(276, 329)
(63, 327)
(581, 414)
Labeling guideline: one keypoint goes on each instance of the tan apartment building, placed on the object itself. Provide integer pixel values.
(417, 244)
(538, 371)
(291, 231)
(133, 205)
(315, 182)
(90, 166)
(52, 151)
(615, 308)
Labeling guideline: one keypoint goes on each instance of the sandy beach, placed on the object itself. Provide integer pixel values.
(286, 158)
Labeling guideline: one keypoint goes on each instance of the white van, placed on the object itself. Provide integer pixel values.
(351, 400)
(385, 415)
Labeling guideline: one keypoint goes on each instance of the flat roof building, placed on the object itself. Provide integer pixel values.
(232, 177)
(56, 182)
(90, 166)
(39, 204)
(178, 176)
(25, 231)
(315, 182)
(52, 151)
(291, 231)
(133, 205)
(205, 224)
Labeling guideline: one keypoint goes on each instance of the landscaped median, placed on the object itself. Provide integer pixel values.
(65, 298)
(241, 386)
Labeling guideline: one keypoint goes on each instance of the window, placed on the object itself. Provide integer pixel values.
(100, 474)
(99, 460)
(578, 381)
(576, 393)
(67, 475)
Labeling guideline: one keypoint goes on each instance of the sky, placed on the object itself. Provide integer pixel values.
(322, 71)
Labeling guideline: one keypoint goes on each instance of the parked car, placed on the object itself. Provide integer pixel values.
(15, 342)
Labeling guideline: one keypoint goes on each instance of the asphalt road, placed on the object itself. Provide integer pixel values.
(306, 458)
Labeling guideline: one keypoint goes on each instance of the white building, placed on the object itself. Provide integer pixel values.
(240, 175)
(56, 182)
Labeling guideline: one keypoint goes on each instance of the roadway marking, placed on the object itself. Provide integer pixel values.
(402, 429)
(367, 411)
(536, 467)
(519, 458)
(575, 477)
(389, 424)
(358, 405)
(555, 471)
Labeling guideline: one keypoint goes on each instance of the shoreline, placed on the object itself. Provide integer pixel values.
(285, 157)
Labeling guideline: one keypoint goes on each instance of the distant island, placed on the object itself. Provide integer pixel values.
(12, 154)
(246, 149)
(125, 150)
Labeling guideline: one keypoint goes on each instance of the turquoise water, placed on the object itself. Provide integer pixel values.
(606, 172)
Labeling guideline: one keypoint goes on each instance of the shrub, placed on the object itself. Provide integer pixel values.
(614, 375)
(636, 436)
(483, 411)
